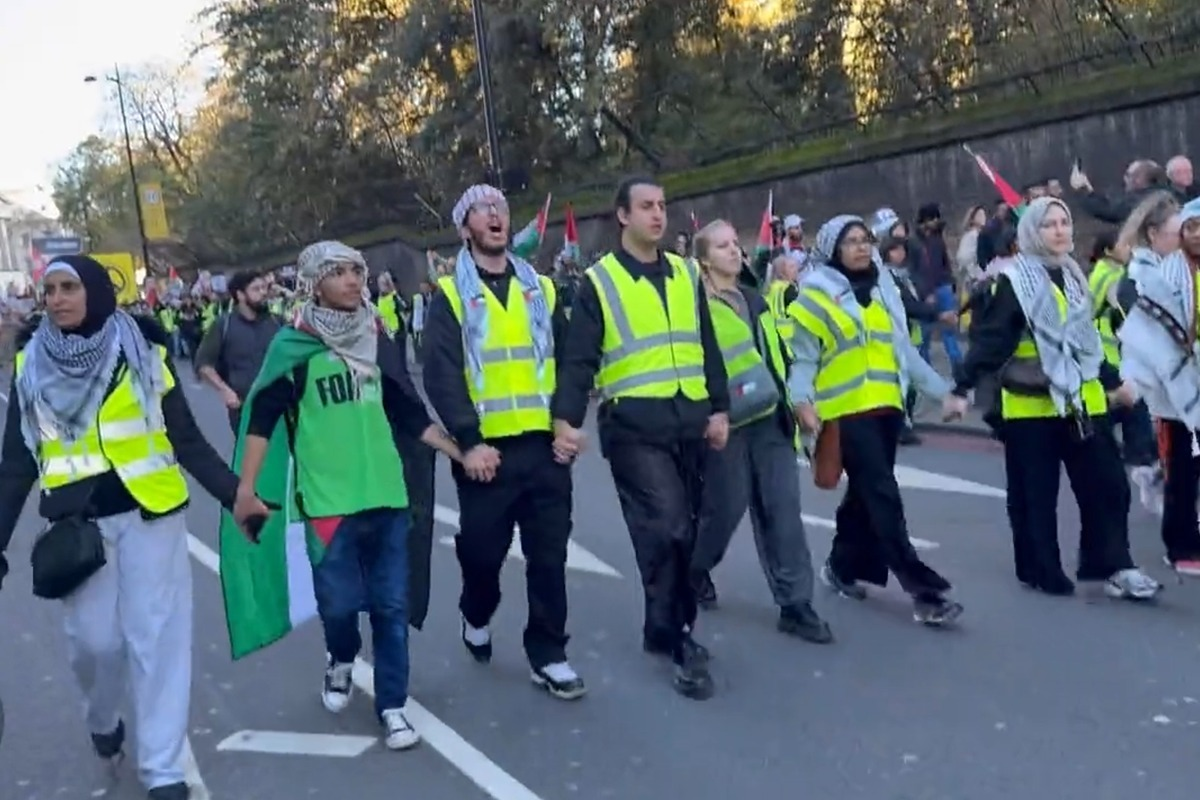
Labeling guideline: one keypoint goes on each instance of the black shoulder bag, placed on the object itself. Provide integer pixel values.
(70, 550)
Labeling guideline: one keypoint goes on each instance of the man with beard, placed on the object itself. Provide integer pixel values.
(232, 351)
(641, 333)
(489, 371)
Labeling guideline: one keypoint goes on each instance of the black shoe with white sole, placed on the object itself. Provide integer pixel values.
(173, 791)
(478, 642)
(692, 678)
(110, 746)
(560, 680)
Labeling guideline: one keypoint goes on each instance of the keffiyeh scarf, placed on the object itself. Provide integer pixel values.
(65, 378)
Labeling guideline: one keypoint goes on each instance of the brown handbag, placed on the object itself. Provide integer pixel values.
(826, 459)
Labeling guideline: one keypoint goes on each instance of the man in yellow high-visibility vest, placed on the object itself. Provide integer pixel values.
(489, 372)
(641, 333)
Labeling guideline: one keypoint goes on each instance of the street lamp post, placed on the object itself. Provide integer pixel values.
(489, 101)
(137, 193)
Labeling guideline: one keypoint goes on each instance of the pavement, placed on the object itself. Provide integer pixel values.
(1029, 697)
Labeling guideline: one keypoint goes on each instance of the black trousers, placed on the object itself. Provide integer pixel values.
(659, 489)
(532, 491)
(1035, 451)
(872, 535)
(1180, 527)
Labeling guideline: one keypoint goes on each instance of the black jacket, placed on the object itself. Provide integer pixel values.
(104, 495)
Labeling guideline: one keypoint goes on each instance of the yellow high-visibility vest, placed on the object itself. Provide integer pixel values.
(514, 398)
(650, 349)
(858, 369)
(778, 306)
(1024, 406)
(1105, 274)
(388, 313)
(120, 440)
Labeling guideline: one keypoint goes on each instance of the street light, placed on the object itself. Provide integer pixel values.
(489, 103)
(137, 194)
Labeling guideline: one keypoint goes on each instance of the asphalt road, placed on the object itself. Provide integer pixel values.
(1031, 697)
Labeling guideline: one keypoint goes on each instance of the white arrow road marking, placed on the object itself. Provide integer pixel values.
(913, 478)
(577, 557)
(287, 743)
(466, 758)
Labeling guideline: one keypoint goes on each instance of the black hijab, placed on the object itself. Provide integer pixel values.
(98, 286)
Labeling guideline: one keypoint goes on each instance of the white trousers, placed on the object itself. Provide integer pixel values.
(129, 630)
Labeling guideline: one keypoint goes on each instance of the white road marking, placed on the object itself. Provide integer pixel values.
(288, 743)
(577, 557)
(913, 478)
(822, 522)
(465, 757)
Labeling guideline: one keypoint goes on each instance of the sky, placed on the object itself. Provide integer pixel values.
(47, 47)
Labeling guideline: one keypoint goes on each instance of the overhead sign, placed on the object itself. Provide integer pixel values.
(45, 249)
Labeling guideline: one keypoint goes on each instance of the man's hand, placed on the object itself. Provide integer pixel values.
(230, 399)
(717, 432)
(481, 462)
(1124, 395)
(568, 442)
(948, 317)
(249, 511)
(954, 407)
(1079, 179)
(806, 417)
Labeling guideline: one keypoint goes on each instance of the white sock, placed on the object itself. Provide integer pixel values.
(476, 636)
(560, 672)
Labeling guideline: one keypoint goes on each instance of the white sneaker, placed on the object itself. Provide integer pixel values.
(338, 687)
(399, 734)
(1132, 584)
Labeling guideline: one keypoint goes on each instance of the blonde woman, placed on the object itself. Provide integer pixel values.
(966, 260)
(757, 469)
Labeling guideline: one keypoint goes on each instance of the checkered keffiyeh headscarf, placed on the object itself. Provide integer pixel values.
(480, 191)
(353, 335)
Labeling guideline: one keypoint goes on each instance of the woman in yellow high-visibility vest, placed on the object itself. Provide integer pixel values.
(853, 364)
(757, 470)
(96, 417)
(1038, 332)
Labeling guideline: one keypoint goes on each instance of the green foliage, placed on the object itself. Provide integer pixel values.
(362, 120)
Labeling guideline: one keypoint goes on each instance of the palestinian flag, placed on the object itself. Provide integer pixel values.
(268, 587)
(766, 237)
(570, 237)
(528, 240)
(1011, 197)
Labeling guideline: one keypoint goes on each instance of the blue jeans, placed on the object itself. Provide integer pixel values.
(365, 568)
(945, 300)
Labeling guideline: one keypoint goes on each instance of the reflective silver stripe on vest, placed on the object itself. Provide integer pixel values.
(523, 403)
(647, 378)
(876, 375)
(501, 355)
(126, 429)
(85, 465)
(739, 350)
(841, 344)
(632, 345)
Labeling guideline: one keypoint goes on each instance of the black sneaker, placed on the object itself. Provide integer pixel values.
(560, 680)
(804, 622)
(692, 678)
(706, 592)
(482, 653)
(936, 611)
(110, 746)
(909, 437)
(849, 589)
(656, 647)
(172, 791)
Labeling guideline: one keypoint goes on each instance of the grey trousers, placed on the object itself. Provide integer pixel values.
(757, 470)
(129, 635)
